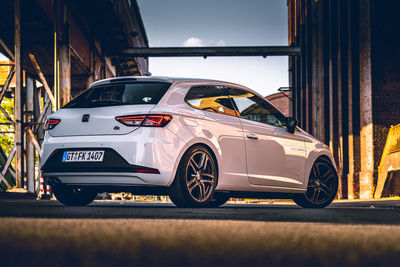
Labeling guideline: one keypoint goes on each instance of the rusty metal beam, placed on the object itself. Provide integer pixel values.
(30, 151)
(7, 83)
(8, 162)
(8, 51)
(43, 80)
(224, 51)
(3, 178)
(43, 114)
(64, 95)
(33, 140)
(7, 115)
(18, 104)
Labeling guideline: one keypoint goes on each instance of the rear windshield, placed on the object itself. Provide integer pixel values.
(138, 93)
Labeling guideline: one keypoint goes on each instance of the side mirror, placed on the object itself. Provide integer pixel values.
(291, 124)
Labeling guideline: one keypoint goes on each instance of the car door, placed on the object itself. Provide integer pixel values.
(274, 156)
(221, 124)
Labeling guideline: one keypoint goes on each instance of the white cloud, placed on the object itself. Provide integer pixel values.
(194, 42)
(221, 43)
(197, 42)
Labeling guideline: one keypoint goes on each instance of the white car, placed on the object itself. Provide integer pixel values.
(198, 141)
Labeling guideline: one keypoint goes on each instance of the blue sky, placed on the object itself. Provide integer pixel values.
(219, 22)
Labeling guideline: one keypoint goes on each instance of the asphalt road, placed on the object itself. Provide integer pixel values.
(45, 233)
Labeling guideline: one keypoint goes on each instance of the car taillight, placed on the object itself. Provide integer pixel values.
(51, 123)
(131, 120)
(145, 120)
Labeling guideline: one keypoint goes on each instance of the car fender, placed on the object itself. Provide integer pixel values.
(200, 140)
(316, 150)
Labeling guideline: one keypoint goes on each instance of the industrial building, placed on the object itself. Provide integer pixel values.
(63, 45)
(346, 82)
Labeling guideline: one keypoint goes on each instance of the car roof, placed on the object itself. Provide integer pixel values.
(174, 80)
(193, 81)
(156, 79)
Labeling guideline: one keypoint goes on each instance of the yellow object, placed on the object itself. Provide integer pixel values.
(4, 70)
(390, 160)
(392, 144)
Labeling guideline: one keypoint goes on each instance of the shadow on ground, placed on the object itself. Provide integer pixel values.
(337, 213)
(45, 233)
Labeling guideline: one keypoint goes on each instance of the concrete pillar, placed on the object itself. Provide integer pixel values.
(65, 59)
(30, 150)
(340, 89)
(315, 85)
(334, 103)
(350, 141)
(352, 96)
(324, 69)
(18, 105)
(319, 76)
(366, 120)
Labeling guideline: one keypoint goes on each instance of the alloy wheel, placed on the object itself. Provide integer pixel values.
(322, 183)
(200, 176)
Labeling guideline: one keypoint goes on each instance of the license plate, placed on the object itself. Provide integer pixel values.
(83, 156)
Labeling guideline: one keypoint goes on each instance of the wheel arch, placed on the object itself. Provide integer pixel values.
(209, 150)
(313, 157)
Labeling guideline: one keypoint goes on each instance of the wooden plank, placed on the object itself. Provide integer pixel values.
(43, 79)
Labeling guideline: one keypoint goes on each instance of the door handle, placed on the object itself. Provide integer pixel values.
(252, 136)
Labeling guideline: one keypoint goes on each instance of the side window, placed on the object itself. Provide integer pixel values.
(210, 98)
(255, 108)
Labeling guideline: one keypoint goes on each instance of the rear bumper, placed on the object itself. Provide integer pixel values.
(106, 182)
(154, 148)
(101, 178)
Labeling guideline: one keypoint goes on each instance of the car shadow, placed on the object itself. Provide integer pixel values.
(243, 212)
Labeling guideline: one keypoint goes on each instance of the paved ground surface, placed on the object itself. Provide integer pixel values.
(108, 233)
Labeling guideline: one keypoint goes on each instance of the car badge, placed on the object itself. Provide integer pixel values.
(85, 117)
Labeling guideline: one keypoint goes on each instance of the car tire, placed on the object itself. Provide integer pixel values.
(195, 180)
(72, 196)
(218, 200)
(322, 186)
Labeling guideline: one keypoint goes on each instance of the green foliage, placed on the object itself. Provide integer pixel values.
(7, 139)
